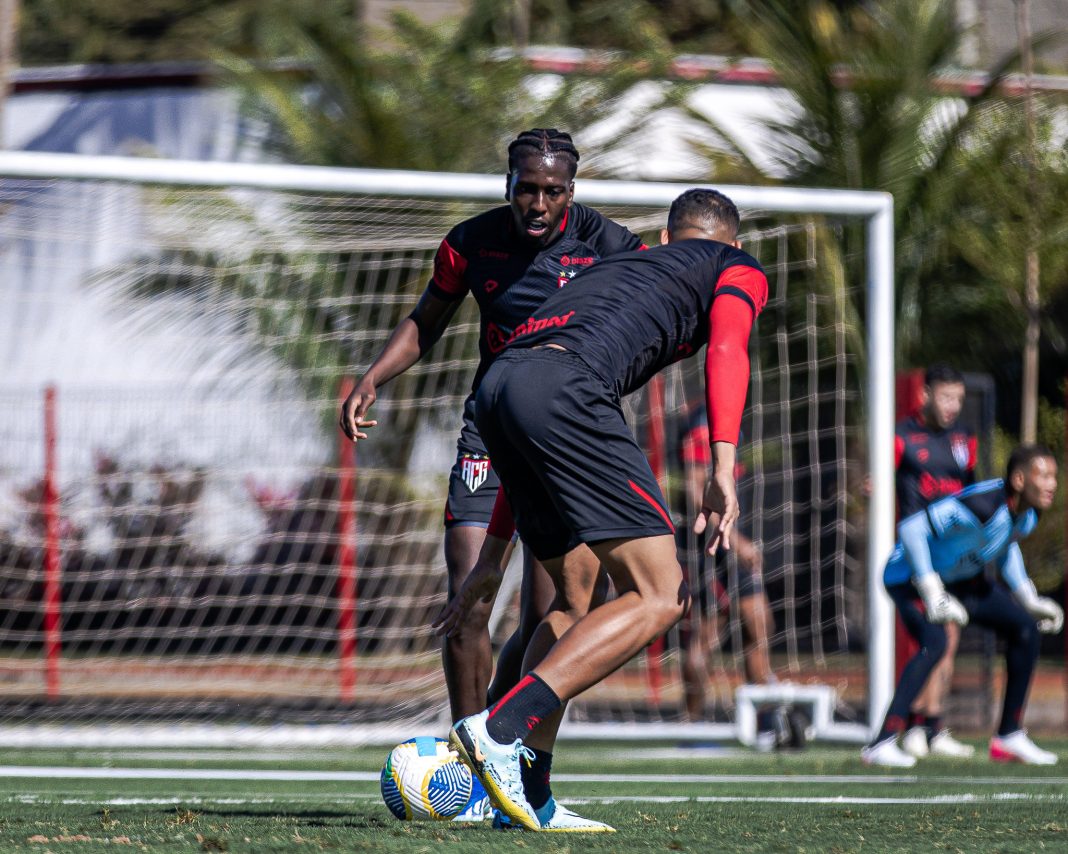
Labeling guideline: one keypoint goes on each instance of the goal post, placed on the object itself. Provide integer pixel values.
(210, 558)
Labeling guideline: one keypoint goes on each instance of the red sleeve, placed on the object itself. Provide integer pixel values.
(448, 279)
(899, 451)
(501, 523)
(973, 452)
(727, 368)
(727, 362)
(747, 283)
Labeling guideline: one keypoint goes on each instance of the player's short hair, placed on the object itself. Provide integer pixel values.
(940, 372)
(1023, 455)
(542, 141)
(708, 210)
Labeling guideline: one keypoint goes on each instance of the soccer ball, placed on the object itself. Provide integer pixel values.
(424, 780)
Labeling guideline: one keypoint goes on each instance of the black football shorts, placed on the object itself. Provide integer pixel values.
(568, 461)
(472, 482)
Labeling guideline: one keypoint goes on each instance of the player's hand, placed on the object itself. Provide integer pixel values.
(719, 510)
(941, 607)
(1048, 615)
(353, 409)
(481, 584)
(947, 609)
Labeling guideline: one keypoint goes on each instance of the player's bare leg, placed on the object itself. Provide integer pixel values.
(932, 699)
(579, 585)
(535, 598)
(755, 612)
(466, 656)
(651, 596)
(757, 620)
(702, 639)
(578, 589)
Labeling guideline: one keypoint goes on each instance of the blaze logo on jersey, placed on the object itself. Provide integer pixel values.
(961, 454)
(474, 469)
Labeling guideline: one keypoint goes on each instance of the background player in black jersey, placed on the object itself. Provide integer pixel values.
(549, 410)
(935, 456)
(510, 259)
(704, 624)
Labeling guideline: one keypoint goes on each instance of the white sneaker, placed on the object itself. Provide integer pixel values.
(887, 753)
(497, 766)
(915, 742)
(555, 816)
(1017, 747)
(944, 744)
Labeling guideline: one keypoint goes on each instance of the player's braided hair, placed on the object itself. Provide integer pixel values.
(542, 141)
(709, 210)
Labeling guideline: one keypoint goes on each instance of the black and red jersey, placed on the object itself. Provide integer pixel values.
(509, 276)
(636, 313)
(931, 463)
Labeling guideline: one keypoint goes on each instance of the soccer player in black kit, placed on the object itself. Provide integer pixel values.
(935, 457)
(510, 258)
(549, 412)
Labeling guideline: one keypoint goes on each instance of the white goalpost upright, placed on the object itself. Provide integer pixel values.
(190, 558)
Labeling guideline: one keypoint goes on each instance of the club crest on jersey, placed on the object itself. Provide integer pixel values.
(564, 277)
(474, 469)
(961, 454)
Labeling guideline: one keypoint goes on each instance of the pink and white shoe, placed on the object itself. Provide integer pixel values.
(1017, 747)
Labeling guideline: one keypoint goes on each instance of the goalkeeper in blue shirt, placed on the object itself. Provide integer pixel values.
(936, 575)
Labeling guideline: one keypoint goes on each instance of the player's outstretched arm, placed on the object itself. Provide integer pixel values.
(719, 507)
(412, 337)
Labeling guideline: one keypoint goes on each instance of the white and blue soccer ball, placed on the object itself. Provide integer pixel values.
(423, 780)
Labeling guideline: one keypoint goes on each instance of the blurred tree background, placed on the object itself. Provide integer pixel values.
(868, 79)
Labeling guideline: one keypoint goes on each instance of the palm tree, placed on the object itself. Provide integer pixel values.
(427, 98)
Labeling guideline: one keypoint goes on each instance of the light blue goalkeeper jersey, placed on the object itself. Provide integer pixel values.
(959, 535)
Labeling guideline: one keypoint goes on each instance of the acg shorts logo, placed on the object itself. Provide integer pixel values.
(474, 469)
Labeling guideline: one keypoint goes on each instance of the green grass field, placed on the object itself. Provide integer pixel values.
(659, 797)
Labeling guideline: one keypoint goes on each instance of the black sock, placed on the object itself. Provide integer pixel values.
(933, 725)
(916, 719)
(536, 778)
(521, 709)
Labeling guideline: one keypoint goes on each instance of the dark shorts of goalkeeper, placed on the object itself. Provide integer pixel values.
(565, 455)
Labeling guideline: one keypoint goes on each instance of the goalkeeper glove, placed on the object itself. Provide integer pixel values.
(941, 606)
(1047, 613)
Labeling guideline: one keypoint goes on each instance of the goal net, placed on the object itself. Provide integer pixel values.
(187, 545)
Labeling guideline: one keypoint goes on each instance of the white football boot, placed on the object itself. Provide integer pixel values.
(915, 742)
(555, 816)
(887, 754)
(1017, 747)
(944, 744)
(497, 766)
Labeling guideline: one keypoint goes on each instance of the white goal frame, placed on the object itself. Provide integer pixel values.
(874, 208)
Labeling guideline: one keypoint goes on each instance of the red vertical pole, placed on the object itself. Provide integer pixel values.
(908, 391)
(52, 570)
(346, 569)
(655, 450)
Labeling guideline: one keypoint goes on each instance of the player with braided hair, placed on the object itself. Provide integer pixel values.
(510, 258)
